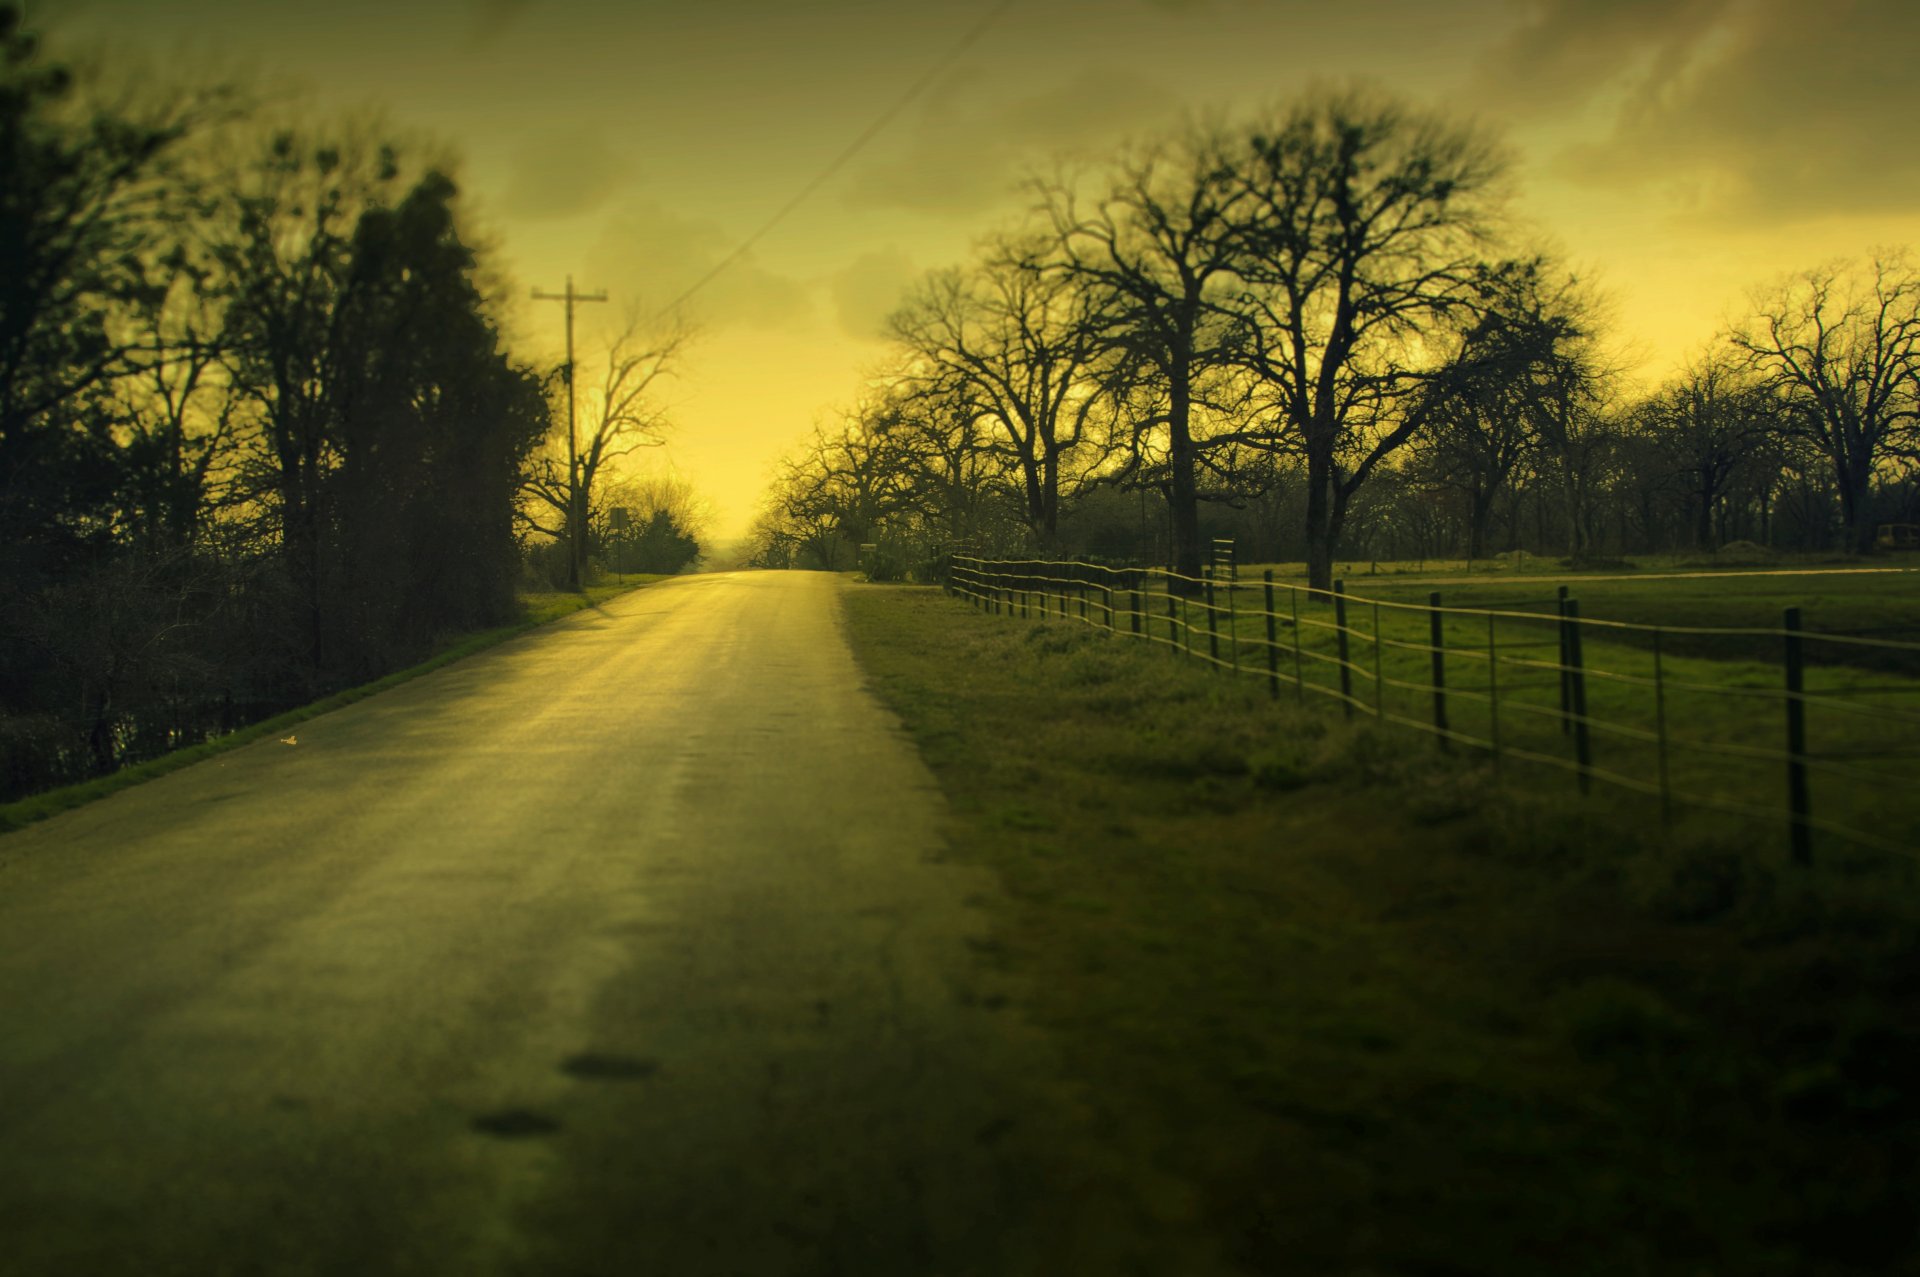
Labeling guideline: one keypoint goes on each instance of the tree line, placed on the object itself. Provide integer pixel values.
(260, 433)
(1318, 331)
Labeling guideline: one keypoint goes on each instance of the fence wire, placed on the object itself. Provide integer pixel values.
(1598, 699)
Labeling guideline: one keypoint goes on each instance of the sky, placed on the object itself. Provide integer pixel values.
(1676, 153)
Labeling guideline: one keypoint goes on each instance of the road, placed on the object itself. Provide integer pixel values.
(625, 947)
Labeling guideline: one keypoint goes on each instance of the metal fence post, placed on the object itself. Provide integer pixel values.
(1233, 620)
(1660, 727)
(1273, 640)
(1493, 687)
(1566, 684)
(1577, 687)
(1799, 800)
(1299, 675)
(1379, 681)
(1213, 618)
(1437, 635)
(1340, 631)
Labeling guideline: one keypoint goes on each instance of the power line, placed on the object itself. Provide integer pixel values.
(839, 162)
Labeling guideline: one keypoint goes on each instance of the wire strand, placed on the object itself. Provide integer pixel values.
(840, 161)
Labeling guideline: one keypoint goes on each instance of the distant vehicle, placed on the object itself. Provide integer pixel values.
(1898, 536)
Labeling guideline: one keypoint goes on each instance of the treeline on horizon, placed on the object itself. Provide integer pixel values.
(260, 436)
(1315, 332)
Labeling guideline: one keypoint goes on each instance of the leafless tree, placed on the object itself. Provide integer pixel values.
(623, 413)
(1840, 346)
(1361, 229)
(1155, 248)
(1021, 349)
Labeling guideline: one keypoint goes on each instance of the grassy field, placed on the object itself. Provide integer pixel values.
(1351, 1006)
(1700, 719)
(536, 608)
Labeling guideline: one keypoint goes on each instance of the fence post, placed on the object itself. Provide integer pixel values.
(1299, 675)
(1340, 631)
(1273, 641)
(1173, 626)
(1566, 675)
(1577, 687)
(1133, 609)
(1660, 727)
(1379, 682)
(1213, 618)
(1493, 687)
(1437, 635)
(1799, 801)
(1233, 619)
(1082, 578)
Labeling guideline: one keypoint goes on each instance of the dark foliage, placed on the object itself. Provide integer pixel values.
(258, 437)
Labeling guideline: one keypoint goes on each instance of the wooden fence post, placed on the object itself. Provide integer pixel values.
(1437, 635)
(1577, 689)
(1340, 632)
(1799, 800)
(1133, 609)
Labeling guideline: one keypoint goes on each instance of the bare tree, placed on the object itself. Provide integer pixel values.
(1707, 423)
(623, 414)
(1840, 346)
(1360, 228)
(1155, 249)
(1021, 349)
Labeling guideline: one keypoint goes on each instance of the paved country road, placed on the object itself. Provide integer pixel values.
(622, 948)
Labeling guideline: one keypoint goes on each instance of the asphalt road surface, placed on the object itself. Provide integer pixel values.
(623, 948)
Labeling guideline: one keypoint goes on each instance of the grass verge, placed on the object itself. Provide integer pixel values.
(1352, 1007)
(536, 610)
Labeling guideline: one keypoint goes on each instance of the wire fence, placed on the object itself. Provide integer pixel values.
(1817, 737)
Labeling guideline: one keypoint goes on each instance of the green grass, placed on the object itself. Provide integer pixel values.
(1718, 699)
(1355, 1007)
(536, 609)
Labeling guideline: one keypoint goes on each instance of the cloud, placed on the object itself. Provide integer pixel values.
(969, 147)
(649, 256)
(494, 18)
(1762, 110)
(563, 172)
(870, 289)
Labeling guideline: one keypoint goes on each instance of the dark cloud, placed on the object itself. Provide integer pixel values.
(1565, 51)
(870, 289)
(1766, 110)
(563, 172)
(494, 18)
(647, 256)
(969, 145)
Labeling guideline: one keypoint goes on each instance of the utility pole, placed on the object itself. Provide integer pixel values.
(576, 517)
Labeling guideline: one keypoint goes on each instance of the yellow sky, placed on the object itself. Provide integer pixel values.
(1678, 152)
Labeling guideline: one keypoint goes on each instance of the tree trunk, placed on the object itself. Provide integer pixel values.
(1183, 503)
(1320, 528)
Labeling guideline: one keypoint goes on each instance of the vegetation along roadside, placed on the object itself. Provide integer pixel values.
(1383, 1012)
(536, 609)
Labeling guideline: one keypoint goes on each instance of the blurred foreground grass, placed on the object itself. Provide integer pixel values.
(1356, 1008)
